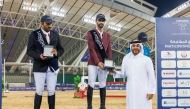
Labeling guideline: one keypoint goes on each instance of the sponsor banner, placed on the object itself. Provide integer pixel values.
(172, 62)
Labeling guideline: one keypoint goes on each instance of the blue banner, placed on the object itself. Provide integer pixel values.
(173, 63)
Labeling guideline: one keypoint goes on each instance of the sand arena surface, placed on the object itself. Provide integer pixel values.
(64, 100)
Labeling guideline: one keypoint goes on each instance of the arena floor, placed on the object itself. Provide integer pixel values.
(64, 100)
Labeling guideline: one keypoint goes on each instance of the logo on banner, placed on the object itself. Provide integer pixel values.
(82, 86)
(168, 64)
(169, 73)
(184, 64)
(167, 102)
(168, 54)
(182, 27)
(180, 73)
(184, 54)
(169, 92)
(185, 83)
(185, 92)
(184, 73)
(184, 102)
(168, 83)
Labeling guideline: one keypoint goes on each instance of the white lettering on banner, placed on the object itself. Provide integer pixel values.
(180, 33)
(40, 39)
(177, 46)
(179, 41)
(182, 20)
(98, 41)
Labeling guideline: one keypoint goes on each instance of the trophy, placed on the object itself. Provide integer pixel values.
(47, 51)
(109, 64)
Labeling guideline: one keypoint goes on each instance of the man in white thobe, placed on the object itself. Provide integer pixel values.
(141, 83)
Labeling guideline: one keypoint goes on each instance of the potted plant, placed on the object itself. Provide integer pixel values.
(3, 88)
(77, 93)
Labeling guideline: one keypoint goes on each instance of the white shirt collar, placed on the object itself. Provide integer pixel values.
(99, 31)
(45, 31)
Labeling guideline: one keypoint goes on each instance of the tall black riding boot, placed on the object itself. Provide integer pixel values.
(89, 97)
(102, 98)
(37, 101)
(51, 101)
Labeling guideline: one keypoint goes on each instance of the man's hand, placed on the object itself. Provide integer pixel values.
(149, 96)
(101, 65)
(112, 70)
(54, 52)
(42, 57)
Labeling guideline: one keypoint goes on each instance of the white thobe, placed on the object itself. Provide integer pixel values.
(140, 80)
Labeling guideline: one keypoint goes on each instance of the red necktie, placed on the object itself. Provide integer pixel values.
(47, 38)
(48, 35)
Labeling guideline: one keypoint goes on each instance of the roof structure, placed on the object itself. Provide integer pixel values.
(72, 20)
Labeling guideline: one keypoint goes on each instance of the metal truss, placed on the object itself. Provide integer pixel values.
(65, 29)
(22, 45)
(118, 59)
(151, 43)
(71, 53)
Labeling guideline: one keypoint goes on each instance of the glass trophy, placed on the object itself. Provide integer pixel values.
(109, 64)
(47, 51)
